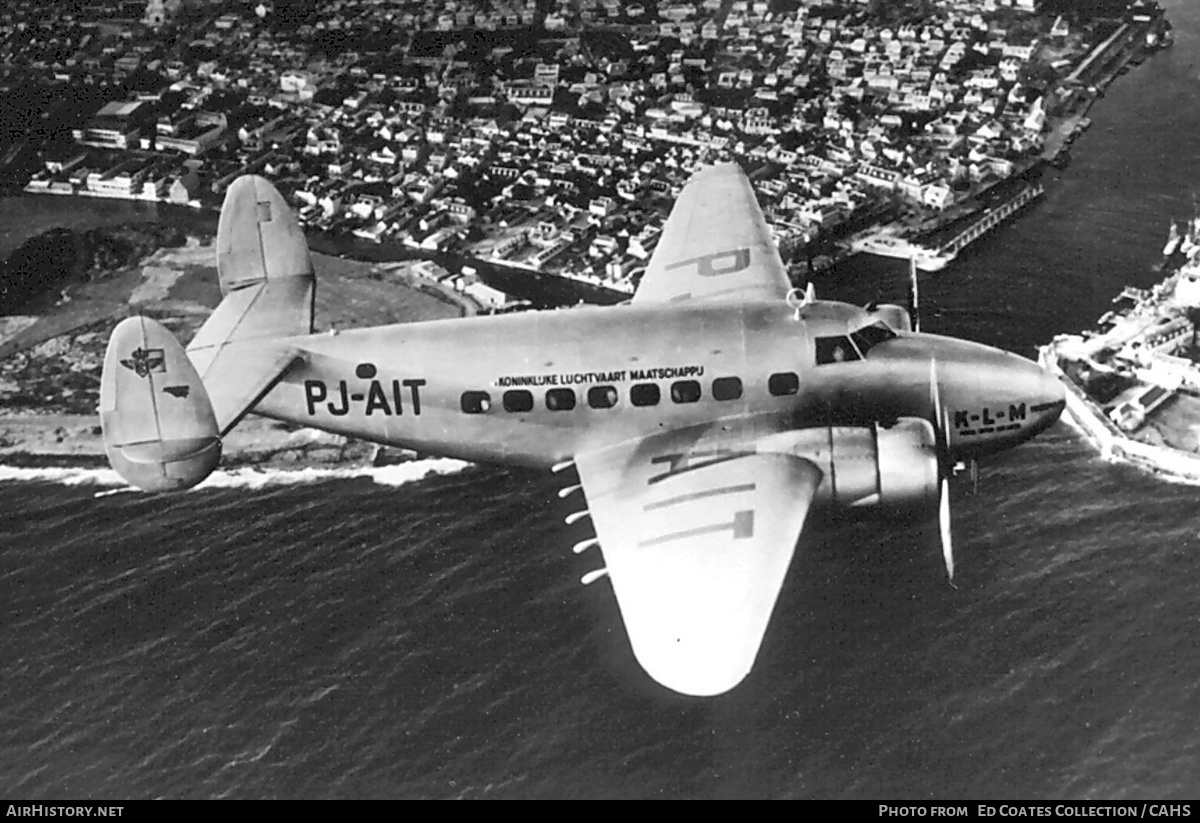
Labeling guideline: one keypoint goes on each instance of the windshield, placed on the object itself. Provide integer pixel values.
(871, 336)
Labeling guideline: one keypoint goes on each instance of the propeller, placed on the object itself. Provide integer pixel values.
(914, 295)
(941, 427)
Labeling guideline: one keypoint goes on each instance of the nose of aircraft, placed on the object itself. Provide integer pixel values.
(1053, 400)
(995, 399)
(1047, 396)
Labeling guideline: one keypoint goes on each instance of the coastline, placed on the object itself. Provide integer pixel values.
(1131, 383)
(50, 360)
(1162, 462)
(36, 439)
(60, 441)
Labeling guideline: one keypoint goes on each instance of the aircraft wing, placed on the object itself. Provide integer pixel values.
(697, 539)
(715, 245)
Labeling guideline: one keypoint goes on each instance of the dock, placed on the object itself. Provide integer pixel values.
(1133, 387)
(989, 219)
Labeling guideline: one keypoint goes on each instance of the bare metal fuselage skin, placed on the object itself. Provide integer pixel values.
(404, 384)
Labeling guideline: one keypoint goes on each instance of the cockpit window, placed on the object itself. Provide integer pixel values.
(835, 350)
(871, 336)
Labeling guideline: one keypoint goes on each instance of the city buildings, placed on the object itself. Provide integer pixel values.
(377, 117)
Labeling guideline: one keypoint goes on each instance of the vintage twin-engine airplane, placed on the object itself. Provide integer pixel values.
(703, 419)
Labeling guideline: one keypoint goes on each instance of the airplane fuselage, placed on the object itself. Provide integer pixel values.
(703, 420)
(538, 388)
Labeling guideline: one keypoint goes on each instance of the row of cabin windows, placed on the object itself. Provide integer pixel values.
(640, 394)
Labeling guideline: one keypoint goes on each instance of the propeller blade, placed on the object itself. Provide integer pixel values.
(914, 295)
(941, 431)
(935, 400)
(944, 527)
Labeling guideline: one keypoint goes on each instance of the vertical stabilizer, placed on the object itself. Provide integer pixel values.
(267, 279)
(258, 237)
(159, 429)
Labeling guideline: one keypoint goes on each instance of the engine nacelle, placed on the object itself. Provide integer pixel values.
(876, 465)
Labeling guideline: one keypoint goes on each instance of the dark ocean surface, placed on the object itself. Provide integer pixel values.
(339, 637)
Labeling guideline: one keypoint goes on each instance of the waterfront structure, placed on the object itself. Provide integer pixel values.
(886, 243)
(1132, 384)
(934, 255)
(600, 116)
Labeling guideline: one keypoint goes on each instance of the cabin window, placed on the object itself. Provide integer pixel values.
(560, 400)
(783, 384)
(644, 394)
(602, 397)
(518, 400)
(727, 388)
(685, 391)
(476, 402)
(835, 350)
(871, 336)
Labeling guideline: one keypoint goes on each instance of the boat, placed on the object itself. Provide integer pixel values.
(1174, 238)
(1187, 244)
(887, 244)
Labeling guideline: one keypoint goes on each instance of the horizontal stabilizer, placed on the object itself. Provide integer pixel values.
(160, 433)
(238, 375)
(273, 308)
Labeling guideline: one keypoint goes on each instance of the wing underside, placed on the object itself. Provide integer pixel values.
(697, 540)
(715, 245)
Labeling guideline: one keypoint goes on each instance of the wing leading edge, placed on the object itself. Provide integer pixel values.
(697, 541)
(715, 245)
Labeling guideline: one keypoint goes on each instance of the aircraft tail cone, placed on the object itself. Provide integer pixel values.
(160, 432)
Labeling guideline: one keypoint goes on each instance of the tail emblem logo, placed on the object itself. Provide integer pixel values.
(144, 361)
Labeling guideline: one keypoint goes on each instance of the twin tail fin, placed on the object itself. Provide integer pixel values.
(163, 410)
(160, 432)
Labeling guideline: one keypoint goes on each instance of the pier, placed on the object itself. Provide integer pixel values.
(989, 220)
(1102, 53)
